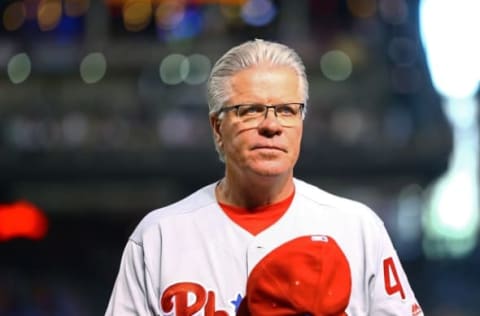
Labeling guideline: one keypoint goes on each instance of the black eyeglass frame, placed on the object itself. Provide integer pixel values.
(267, 107)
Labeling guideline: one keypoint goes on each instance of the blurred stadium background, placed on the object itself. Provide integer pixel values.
(103, 118)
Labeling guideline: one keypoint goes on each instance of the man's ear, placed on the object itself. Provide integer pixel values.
(217, 134)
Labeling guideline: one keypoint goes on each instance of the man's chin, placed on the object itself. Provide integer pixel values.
(270, 169)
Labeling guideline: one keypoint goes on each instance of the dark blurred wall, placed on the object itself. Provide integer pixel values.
(103, 118)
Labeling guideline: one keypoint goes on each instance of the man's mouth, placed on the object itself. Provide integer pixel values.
(266, 147)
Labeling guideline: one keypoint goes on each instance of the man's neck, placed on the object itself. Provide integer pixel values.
(254, 192)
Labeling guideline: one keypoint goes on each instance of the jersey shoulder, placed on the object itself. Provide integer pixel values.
(348, 207)
(201, 198)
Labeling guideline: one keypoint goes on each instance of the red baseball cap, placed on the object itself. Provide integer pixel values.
(309, 275)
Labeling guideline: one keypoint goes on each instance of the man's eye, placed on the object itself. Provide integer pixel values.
(251, 109)
(286, 110)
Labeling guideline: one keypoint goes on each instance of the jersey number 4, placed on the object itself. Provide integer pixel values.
(392, 281)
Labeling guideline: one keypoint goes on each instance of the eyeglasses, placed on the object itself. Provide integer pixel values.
(287, 114)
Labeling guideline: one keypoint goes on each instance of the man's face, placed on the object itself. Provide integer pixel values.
(267, 148)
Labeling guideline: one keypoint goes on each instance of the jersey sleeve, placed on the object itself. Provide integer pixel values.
(390, 291)
(132, 292)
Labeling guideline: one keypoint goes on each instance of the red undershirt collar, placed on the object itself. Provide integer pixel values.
(257, 219)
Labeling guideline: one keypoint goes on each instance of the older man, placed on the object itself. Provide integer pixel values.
(259, 241)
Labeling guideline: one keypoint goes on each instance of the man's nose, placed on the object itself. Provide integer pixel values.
(267, 109)
(270, 126)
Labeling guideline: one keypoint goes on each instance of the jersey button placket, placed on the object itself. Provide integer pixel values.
(255, 252)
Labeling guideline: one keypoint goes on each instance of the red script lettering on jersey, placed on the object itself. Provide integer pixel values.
(179, 293)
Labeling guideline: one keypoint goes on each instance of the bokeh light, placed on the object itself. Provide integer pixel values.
(336, 65)
(231, 13)
(14, 16)
(452, 42)
(463, 221)
(362, 8)
(169, 14)
(450, 220)
(188, 26)
(173, 69)
(49, 14)
(93, 68)
(19, 68)
(22, 219)
(393, 11)
(137, 14)
(258, 12)
(75, 8)
(198, 69)
(356, 50)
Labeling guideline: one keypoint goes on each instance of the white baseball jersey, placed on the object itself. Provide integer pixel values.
(190, 258)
